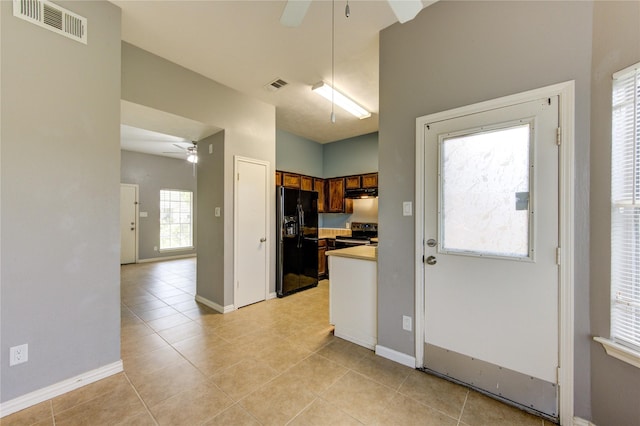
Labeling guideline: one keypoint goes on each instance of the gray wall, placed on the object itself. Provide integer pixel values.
(298, 155)
(615, 385)
(59, 173)
(249, 131)
(457, 53)
(153, 173)
(351, 156)
(211, 242)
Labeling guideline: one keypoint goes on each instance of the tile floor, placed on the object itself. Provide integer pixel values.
(272, 363)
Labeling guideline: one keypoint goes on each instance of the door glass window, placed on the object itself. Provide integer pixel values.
(485, 192)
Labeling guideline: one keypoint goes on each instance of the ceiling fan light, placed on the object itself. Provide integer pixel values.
(192, 158)
(344, 102)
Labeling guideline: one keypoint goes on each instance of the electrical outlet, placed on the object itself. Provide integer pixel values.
(347, 225)
(155, 248)
(406, 323)
(18, 354)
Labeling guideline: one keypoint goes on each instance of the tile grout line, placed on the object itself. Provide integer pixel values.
(144, 404)
(53, 417)
(463, 407)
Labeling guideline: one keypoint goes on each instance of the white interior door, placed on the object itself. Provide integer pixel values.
(491, 241)
(251, 231)
(128, 223)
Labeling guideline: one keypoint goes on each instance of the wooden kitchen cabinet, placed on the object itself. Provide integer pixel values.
(336, 195)
(370, 180)
(290, 180)
(318, 186)
(352, 182)
(337, 202)
(322, 258)
(278, 178)
(306, 183)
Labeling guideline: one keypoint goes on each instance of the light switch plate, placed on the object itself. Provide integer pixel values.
(210, 148)
(407, 209)
(217, 211)
(406, 323)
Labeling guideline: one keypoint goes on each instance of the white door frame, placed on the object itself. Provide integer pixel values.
(566, 93)
(137, 216)
(236, 160)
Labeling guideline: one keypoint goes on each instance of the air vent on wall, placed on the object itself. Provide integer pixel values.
(52, 17)
(276, 85)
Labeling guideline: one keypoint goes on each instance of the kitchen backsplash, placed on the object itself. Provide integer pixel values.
(364, 210)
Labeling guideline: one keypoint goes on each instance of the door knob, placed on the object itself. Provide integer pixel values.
(262, 240)
(431, 260)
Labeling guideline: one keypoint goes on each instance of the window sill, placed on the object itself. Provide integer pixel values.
(620, 352)
(169, 250)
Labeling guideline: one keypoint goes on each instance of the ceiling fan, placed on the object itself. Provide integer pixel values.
(405, 10)
(190, 151)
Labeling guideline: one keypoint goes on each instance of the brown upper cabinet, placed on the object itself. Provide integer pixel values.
(306, 183)
(352, 182)
(278, 178)
(337, 202)
(290, 180)
(370, 180)
(318, 186)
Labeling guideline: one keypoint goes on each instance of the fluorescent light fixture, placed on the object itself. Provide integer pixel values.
(324, 90)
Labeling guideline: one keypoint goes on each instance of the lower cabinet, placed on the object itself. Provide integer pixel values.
(322, 258)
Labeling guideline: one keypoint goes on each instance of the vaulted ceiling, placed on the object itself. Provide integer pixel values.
(243, 45)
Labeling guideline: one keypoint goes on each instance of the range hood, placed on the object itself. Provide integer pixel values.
(361, 193)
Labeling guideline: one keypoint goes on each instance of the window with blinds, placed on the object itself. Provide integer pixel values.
(625, 208)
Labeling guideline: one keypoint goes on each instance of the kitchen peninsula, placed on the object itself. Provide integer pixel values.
(353, 294)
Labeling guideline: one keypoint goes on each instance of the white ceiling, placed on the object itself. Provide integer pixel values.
(242, 44)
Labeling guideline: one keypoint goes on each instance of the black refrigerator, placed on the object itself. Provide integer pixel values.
(297, 231)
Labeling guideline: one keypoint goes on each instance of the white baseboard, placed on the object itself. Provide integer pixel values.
(577, 421)
(272, 295)
(393, 355)
(57, 389)
(160, 259)
(214, 305)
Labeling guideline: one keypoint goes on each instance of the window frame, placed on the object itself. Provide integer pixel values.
(624, 340)
(190, 223)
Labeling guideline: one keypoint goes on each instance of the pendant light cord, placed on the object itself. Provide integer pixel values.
(333, 35)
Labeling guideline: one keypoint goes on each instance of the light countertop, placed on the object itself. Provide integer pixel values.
(363, 252)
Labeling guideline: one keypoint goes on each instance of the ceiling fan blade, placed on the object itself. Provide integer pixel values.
(294, 12)
(178, 146)
(406, 10)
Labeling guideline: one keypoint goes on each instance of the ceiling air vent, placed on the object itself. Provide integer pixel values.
(52, 17)
(276, 85)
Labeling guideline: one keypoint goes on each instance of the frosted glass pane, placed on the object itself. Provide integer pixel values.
(485, 193)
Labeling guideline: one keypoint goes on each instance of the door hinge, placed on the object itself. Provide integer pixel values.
(558, 256)
(558, 374)
(559, 136)
(238, 176)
